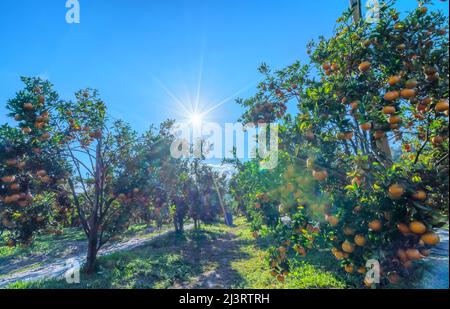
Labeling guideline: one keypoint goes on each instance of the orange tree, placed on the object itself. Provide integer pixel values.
(106, 180)
(205, 197)
(372, 129)
(74, 150)
(31, 172)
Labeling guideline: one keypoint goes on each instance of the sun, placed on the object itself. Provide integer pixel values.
(196, 119)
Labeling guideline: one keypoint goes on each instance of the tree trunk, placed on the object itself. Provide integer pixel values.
(92, 252)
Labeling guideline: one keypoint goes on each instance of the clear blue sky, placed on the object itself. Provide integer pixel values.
(137, 51)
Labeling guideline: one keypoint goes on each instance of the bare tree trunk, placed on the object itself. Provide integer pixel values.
(92, 251)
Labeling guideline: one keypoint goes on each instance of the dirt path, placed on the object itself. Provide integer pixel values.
(49, 267)
(221, 251)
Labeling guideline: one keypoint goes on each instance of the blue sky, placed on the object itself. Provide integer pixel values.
(142, 54)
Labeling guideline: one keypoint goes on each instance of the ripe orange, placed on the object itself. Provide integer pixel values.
(394, 80)
(430, 239)
(420, 195)
(326, 66)
(408, 93)
(11, 162)
(366, 126)
(437, 140)
(357, 209)
(300, 250)
(8, 179)
(23, 203)
(348, 231)
(388, 110)
(14, 186)
(401, 47)
(413, 254)
(394, 278)
(375, 225)
(403, 228)
(348, 268)
(410, 84)
(391, 96)
(348, 247)
(332, 220)
(367, 283)
(354, 105)
(28, 106)
(310, 135)
(396, 191)
(360, 240)
(362, 270)
(422, 10)
(282, 249)
(26, 130)
(41, 173)
(417, 227)
(402, 255)
(364, 66)
(441, 106)
(320, 175)
(280, 278)
(395, 119)
(407, 264)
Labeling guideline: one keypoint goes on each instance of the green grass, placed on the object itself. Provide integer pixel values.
(187, 261)
(304, 275)
(43, 244)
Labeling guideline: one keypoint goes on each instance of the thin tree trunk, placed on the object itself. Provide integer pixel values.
(92, 252)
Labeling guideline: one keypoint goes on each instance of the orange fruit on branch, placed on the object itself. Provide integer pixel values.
(8, 179)
(394, 120)
(394, 278)
(364, 66)
(28, 106)
(332, 220)
(420, 195)
(360, 240)
(430, 239)
(375, 225)
(391, 96)
(417, 227)
(403, 228)
(348, 268)
(11, 162)
(410, 84)
(396, 191)
(26, 130)
(441, 106)
(388, 110)
(348, 247)
(401, 254)
(394, 80)
(413, 254)
(366, 126)
(348, 231)
(320, 175)
(437, 140)
(407, 93)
